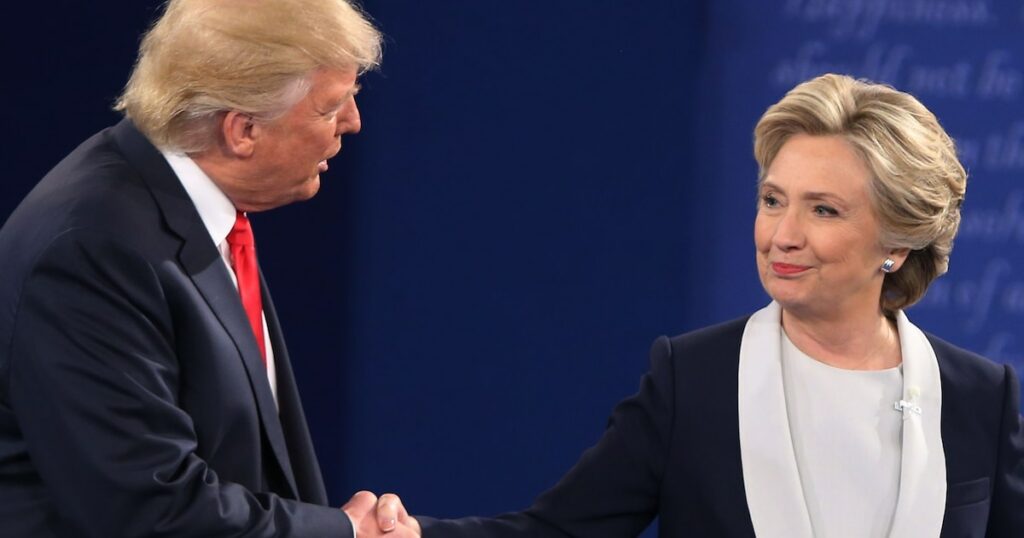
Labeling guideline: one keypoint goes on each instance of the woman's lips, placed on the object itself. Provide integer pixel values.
(788, 269)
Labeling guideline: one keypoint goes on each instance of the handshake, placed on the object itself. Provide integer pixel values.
(380, 517)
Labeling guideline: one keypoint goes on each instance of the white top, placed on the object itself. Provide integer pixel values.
(847, 438)
(218, 215)
(771, 477)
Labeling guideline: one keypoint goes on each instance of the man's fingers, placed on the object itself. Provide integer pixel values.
(389, 508)
(404, 519)
(372, 516)
(361, 504)
(413, 525)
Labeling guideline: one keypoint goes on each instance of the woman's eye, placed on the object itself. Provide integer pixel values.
(825, 211)
(769, 200)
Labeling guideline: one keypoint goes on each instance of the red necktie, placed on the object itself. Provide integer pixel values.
(243, 261)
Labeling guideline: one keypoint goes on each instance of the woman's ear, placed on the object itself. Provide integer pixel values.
(898, 256)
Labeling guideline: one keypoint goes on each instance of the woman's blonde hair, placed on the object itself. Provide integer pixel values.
(204, 57)
(918, 183)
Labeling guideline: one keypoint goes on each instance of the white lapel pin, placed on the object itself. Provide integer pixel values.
(909, 405)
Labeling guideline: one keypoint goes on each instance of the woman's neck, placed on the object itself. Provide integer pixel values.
(866, 342)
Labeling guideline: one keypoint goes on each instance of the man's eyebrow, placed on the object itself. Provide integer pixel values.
(348, 95)
(352, 92)
(338, 103)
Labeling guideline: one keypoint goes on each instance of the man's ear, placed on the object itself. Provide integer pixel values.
(239, 132)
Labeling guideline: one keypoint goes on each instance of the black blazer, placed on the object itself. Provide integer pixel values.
(673, 451)
(133, 400)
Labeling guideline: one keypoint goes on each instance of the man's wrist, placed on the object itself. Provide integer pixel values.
(353, 523)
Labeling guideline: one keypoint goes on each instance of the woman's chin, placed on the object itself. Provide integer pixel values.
(796, 303)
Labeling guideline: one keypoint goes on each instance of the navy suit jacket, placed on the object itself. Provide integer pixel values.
(673, 451)
(133, 399)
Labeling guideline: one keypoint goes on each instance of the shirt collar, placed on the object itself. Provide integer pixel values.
(215, 209)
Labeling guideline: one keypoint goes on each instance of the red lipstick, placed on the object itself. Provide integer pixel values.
(788, 269)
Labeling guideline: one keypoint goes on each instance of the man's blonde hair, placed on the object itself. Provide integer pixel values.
(205, 57)
(918, 183)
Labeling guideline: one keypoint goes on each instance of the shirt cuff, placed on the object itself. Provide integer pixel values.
(353, 523)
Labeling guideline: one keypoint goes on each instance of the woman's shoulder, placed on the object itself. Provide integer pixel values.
(724, 333)
(719, 342)
(959, 367)
(962, 361)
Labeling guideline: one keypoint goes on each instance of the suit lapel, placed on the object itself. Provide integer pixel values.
(215, 285)
(770, 475)
(922, 498)
(203, 263)
(771, 478)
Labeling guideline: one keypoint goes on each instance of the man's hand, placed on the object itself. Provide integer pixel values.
(379, 517)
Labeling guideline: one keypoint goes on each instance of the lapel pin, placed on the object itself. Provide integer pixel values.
(904, 406)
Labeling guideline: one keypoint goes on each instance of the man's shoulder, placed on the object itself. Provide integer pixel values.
(94, 187)
(93, 202)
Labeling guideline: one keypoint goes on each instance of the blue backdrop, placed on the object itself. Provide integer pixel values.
(539, 190)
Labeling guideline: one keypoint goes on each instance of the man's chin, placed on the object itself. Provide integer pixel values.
(310, 188)
(302, 192)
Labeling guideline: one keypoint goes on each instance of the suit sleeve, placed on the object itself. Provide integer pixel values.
(1007, 516)
(93, 382)
(613, 490)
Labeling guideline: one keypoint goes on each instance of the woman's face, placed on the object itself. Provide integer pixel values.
(816, 233)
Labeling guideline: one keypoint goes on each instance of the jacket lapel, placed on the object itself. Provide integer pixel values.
(216, 287)
(922, 498)
(771, 478)
(770, 475)
(203, 263)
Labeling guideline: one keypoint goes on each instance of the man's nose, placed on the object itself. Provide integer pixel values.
(350, 122)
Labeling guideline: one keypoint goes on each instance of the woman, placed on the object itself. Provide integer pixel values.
(827, 413)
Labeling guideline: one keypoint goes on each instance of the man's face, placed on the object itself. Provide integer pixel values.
(292, 151)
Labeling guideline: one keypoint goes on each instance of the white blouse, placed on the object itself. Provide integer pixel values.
(847, 438)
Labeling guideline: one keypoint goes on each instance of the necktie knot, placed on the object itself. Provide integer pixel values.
(241, 232)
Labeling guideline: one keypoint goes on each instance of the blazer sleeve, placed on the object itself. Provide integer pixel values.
(1007, 516)
(93, 381)
(613, 490)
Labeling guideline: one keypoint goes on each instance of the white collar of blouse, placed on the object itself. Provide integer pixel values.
(771, 480)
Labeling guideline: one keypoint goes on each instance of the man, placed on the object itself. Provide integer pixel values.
(145, 387)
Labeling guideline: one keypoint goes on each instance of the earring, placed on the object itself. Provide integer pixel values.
(888, 264)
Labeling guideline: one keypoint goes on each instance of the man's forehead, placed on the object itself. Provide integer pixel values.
(335, 80)
(331, 87)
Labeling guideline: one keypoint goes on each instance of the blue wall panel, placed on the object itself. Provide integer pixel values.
(539, 190)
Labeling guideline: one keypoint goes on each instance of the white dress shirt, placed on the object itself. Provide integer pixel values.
(218, 215)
